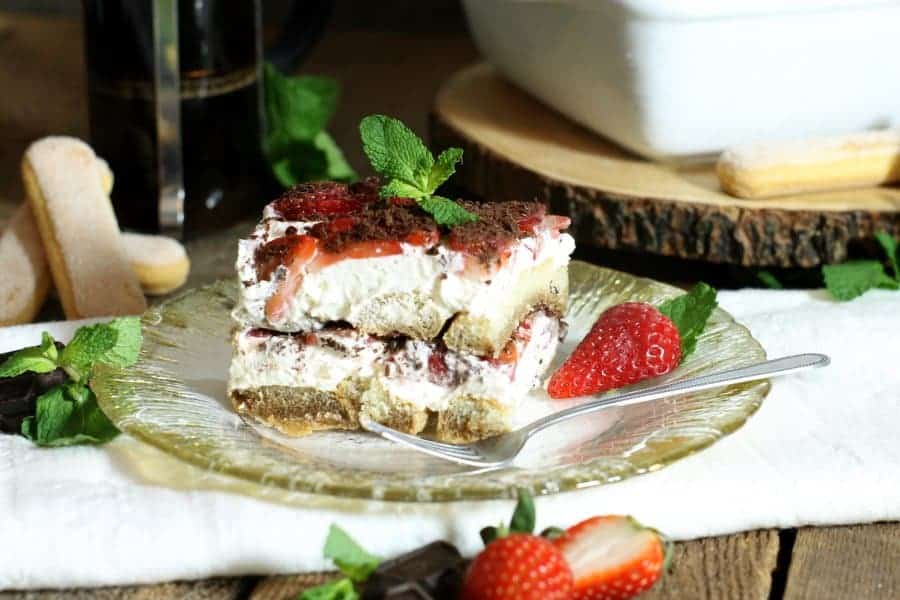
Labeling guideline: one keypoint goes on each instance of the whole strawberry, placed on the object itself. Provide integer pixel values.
(613, 557)
(629, 343)
(519, 566)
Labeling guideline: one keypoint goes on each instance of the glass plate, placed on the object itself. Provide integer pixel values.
(175, 398)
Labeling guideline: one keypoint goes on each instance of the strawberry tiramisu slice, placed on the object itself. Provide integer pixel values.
(355, 305)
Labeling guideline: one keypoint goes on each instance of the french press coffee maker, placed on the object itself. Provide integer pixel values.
(176, 108)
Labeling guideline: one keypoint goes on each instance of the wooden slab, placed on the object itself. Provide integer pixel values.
(516, 147)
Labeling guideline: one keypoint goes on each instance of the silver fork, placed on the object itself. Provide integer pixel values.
(501, 450)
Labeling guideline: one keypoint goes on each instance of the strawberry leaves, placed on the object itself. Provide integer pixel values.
(690, 312)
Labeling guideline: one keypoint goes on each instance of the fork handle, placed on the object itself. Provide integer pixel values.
(763, 370)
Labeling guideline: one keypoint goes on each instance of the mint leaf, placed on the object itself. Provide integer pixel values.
(444, 167)
(298, 107)
(852, 279)
(129, 339)
(399, 189)
(446, 211)
(116, 343)
(337, 168)
(350, 557)
(690, 313)
(296, 145)
(37, 359)
(524, 515)
(398, 154)
(889, 244)
(769, 280)
(395, 151)
(67, 415)
(342, 589)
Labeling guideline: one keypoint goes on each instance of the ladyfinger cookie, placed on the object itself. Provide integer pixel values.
(161, 263)
(26, 280)
(773, 169)
(79, 230)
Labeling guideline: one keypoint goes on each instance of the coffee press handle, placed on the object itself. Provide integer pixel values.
(304, 24)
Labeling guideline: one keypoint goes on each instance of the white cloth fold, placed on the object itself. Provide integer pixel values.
(823, 449)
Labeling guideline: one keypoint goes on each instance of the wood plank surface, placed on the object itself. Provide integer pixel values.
(854, 562)
(229, 588)
(733, 567)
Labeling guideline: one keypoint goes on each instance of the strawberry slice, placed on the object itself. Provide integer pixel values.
(613, 557)
(313, 201)
(300, 254)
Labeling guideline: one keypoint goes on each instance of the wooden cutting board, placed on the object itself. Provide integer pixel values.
(516, 147)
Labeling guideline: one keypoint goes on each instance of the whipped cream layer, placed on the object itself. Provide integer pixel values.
(435, 283)
(420, 373)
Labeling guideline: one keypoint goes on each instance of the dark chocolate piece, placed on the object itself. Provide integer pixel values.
(432, 572)
(18, 395)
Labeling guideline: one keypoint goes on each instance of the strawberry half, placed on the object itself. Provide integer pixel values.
(519, 566)
(629, 343)
(613, 557)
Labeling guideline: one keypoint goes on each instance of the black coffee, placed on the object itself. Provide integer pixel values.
(221, 111)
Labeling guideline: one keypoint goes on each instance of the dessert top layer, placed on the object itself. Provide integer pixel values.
(340, 216)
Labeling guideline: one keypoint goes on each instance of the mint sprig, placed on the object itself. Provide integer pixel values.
(37, 359)
(353, 561)
(400, 156)
(297, 145)
(852, 279)
(690, 312)
(68, 414)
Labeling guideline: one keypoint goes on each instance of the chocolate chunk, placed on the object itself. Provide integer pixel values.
(432, 572)
(18, 395)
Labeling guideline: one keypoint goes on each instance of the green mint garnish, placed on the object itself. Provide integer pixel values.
(342, 589)
(400, 156)
(37, 359)
(690, 312)
(348, 556)
(852, 279)
(68, 414)
(354, 563)
(116, 343)
(769, 280)
(297, 145)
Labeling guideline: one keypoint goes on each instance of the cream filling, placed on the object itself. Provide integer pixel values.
(352, 290)
(282, 361)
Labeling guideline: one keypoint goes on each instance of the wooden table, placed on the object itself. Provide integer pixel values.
(41, 75)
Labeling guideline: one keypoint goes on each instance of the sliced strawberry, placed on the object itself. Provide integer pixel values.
(529, 225)
(424, 237)
(358, 250)
(300, 255)
(628, 343)
(556, 223)
(313, 201)
(518, 567)
(613, 557)
(508, 356)
(404, 202)
(437, 368)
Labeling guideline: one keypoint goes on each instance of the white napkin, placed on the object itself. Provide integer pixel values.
(822, 450)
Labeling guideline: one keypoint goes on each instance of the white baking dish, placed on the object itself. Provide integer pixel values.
(684, 78)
